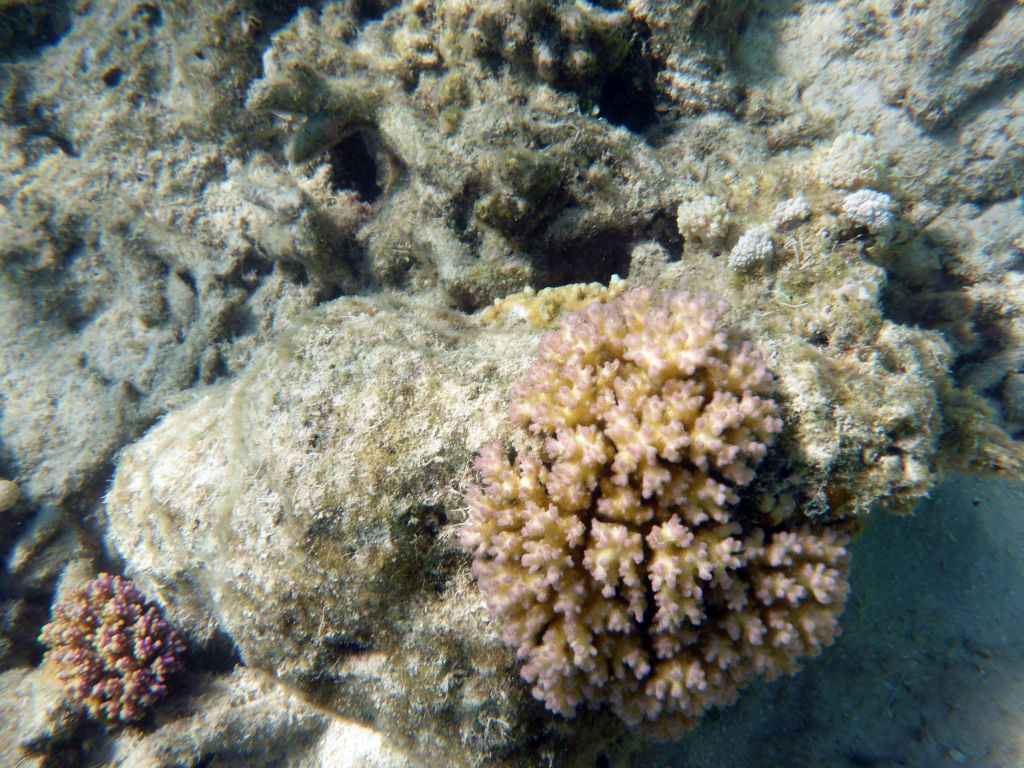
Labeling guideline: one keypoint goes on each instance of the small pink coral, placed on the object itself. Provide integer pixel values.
(614, 553)
(112, 649)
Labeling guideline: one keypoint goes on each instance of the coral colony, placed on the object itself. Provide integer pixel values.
(112, 649)
(616, 555)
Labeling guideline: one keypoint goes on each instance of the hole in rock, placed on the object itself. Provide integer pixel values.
(150, 14)
(592, 260)
(371, 10)
(112, 77)
(353, 166)
(27, 27)
(628, 97)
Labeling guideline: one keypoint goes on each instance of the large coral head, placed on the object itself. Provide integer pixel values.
(612, 552)
(112, 649)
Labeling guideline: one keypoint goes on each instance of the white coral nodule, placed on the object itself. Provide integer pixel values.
(851, 162)
(875, 211)
(754, 248)
(790, 212)
(612, 554)
(705, 219)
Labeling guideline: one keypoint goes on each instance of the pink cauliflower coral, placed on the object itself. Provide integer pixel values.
(112, 649)
(615, 554)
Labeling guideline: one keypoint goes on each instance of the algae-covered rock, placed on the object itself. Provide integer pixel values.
(178, 179)
(37, 723)
(308, 508)
(9, 494)
(690, 42)
(483, 179)
(963, 275)
(120, 283)
(242, 718)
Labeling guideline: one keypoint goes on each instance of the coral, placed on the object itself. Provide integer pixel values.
(542, 308)
(752, 249)
(870, 209)
(155, 235)
(790, 212)
(851, 162)
(615, 554)
(112, 649)
(704, 219)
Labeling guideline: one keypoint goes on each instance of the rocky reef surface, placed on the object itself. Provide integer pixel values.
(268, 272)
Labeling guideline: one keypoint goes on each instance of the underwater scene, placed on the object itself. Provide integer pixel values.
(512, 383)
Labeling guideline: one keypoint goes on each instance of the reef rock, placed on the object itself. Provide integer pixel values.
(310, 508)
(307, 510)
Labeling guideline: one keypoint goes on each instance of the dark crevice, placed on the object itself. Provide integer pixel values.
(353, 166)
(372, 10)
(327, 293)
(25, 611)
(460, 209)
(218, 654)
(346, 646)
(628, 95)
(274, 14)
(664, 230)
(986, 20)
(150, 14)
(294, 272)
(188, 279)
(27, 27)
(819, 338)
(112, 77)
(209, 367)
(47, 131)
(238, 321)
(627, 102)
(595, 259)
(428, 519)
(62, 144)
(250, 271)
